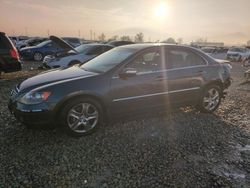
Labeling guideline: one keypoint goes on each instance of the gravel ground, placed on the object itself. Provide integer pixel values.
(179, 149)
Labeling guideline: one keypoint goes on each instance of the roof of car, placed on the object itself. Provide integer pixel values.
(148, 45)
(98, 44)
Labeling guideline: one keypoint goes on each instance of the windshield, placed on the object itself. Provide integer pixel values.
(108, 60)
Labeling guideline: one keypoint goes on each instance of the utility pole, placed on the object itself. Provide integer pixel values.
(79, 33)
(26, 31)
(48, 32)
(91, 33)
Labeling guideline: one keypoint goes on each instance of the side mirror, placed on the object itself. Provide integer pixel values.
(128, 72)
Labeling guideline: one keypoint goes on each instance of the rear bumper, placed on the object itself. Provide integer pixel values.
(12, 66)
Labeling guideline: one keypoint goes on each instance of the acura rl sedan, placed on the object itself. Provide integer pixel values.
(127, 80)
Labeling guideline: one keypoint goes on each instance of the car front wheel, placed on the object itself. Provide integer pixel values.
(210, 99)
(38, 56)
(81, 117)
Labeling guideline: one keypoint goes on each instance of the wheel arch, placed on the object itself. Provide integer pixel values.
(214, 82)
(59, 106)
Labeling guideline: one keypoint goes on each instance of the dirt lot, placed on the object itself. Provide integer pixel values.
(179, 149)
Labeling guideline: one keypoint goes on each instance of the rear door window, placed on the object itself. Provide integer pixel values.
(181, 58)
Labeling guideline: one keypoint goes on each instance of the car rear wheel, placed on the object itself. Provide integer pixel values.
(81, 117)
(210, 99)
(38, 56)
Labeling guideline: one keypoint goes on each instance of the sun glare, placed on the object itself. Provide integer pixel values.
(161, 10)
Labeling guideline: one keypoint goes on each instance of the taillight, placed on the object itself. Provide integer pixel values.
(14, 53)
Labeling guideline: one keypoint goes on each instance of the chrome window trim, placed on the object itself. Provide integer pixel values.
(187, 67)
(165, 70)
(155, 94)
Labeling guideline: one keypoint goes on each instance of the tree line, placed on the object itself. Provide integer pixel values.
(138, 38)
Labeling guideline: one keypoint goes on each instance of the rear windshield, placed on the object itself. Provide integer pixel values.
(5, 43)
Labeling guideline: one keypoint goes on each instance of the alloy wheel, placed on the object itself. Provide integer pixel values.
(82, 117)
(38, 56)
(211, 99)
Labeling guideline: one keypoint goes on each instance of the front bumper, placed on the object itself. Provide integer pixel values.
(38, 114)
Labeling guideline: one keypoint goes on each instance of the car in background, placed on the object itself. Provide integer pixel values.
(238, 53)
(131, 79)
(73, 41)
(32, 42)
(38, 52)
(9, 57)
(246, 62)
(120, 43)
(72, 56)
(18, 39)
(209, 50)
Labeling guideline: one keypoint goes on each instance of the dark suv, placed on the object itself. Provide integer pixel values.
(9, 57)
(126, 80)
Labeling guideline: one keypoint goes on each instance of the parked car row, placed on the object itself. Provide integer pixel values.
(214, 50)
(39, 51)
(238, 54)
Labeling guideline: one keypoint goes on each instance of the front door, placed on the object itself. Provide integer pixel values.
(139, 92)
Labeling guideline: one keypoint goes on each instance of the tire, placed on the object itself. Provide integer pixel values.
(38, 56)
(81, 117)
(72, 63)
(210, 99)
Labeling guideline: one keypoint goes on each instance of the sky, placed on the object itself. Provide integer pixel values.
(225, 21)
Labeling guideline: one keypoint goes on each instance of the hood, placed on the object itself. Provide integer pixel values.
(54, 76)
(62, 44)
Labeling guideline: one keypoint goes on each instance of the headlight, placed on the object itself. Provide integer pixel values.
(35, 97)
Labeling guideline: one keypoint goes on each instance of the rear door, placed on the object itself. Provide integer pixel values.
(186, 74)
